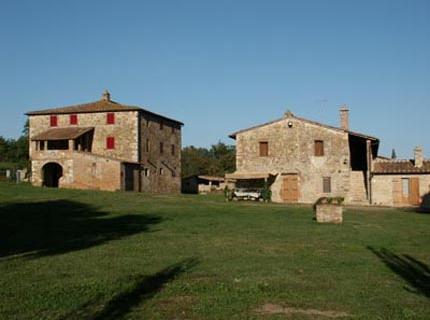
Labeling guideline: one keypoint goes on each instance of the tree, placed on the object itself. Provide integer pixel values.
(217, 161)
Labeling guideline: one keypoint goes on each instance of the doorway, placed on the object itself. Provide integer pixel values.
(52, 172)
(290, 188)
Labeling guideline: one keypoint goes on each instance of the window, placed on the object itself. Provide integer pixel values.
(54, 121)
(146, 172)
(161, 148)
(58, 145)
(319, 148)
(161, 171)
(264, 148)
(161, 125)
(110, 118)
(327, 185)
(173, 150)
(110, 143)
(73, 119)
(405, 187)
(148, 145)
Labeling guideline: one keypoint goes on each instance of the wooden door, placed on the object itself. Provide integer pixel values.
(290, 188)
(414, 195)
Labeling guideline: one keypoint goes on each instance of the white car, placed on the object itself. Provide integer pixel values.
(247, 194)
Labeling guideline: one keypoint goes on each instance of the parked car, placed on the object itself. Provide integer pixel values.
(247, 194)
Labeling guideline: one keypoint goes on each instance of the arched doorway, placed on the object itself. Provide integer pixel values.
(52, 172)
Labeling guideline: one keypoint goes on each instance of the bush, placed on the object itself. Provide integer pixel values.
(329, 200)
(266, 193)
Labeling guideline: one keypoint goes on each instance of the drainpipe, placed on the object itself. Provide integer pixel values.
(368, 174)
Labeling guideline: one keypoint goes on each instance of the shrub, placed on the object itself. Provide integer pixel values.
(266, 193)
(329, 200)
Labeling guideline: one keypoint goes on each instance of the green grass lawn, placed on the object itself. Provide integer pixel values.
(68, 254)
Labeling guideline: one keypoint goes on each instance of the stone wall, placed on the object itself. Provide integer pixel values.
(387, 188)
(80, 170)
(291, 150)
(329, 213)
(358, 193)
(125, 131)
(164, 174)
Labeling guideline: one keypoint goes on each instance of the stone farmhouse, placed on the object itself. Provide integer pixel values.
(105, 145)
(302, 160)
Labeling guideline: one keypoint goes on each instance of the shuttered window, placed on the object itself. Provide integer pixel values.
(53, 121)
(110, 143)
(264, 148)
(110, 118)
(326, 185)
(73, 119)
(319, 148)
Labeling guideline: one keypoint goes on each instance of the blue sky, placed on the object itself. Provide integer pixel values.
(220, 66)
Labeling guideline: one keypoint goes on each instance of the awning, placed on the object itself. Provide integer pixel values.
(62, 133)
(249, 175)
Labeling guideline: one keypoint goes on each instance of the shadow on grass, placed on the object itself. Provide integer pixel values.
(53, 227)
(415, 272)
(144, 289)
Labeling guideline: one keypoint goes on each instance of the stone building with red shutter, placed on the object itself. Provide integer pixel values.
(105, 145)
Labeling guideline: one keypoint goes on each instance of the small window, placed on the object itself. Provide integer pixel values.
(161, 125)
(148, 145)
(73, 119)
(173, 150)
(327, 185)
(319, 148)
(54, 121)
(161, 148)
(110, 118)
(264, 148)
(405, 187)
(110, 143)
(161, 171)
(146, 172)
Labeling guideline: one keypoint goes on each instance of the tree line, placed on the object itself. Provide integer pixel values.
(217, 160)
(15, 150)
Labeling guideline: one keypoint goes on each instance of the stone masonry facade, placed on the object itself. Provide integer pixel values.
(291, 143)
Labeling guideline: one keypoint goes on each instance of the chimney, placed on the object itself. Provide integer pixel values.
(106, 96)
(418, 154)
(344, 117)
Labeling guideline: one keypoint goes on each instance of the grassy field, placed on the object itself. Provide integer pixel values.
(93, 255)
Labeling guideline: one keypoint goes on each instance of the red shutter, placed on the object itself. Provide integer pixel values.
(110, 119)
(73, 119)
(54, 121)
(110, 143)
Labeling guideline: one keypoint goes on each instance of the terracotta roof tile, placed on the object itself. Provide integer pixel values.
(102, 105)
(62, 133)
(290, 115)
(400, 166)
